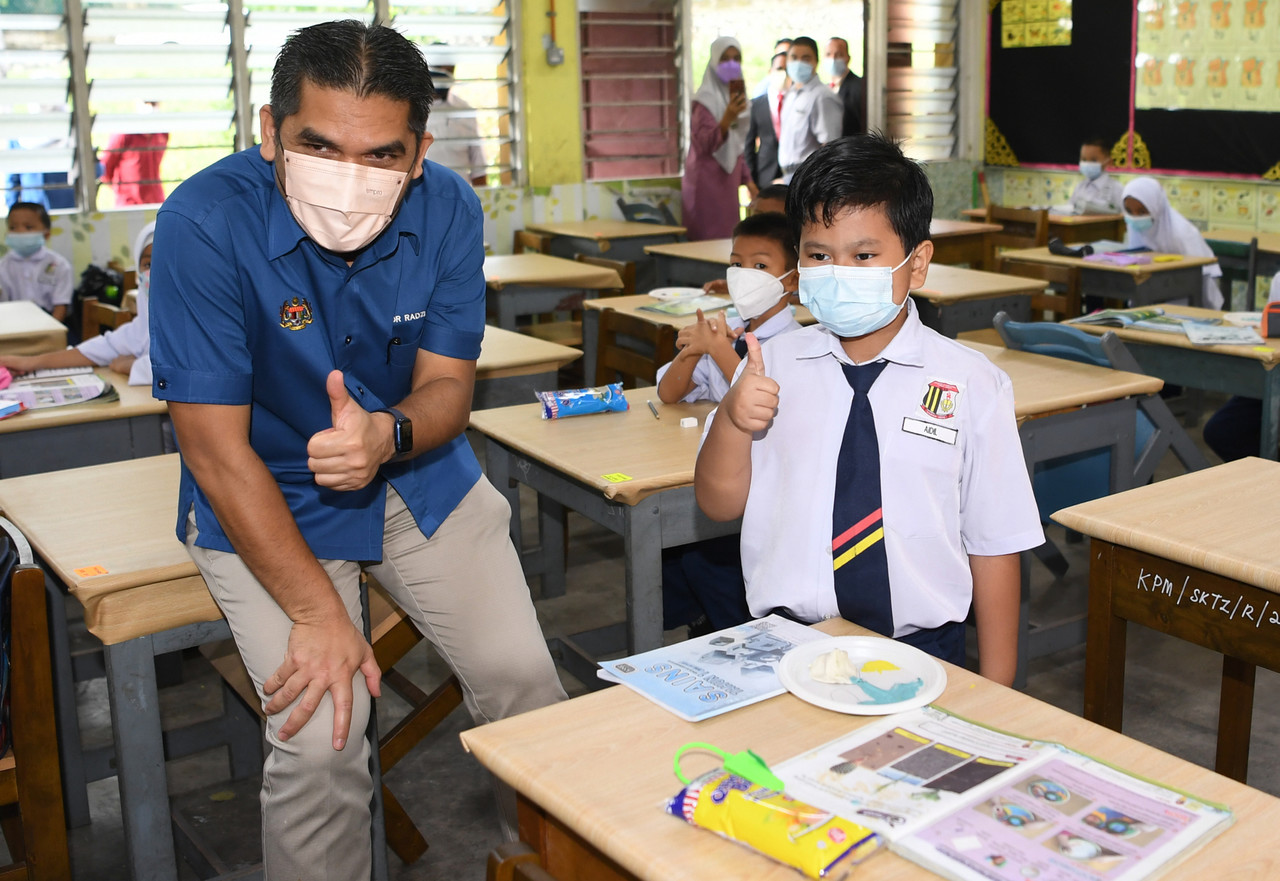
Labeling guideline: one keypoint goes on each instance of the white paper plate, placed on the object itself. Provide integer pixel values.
(913, 664)
(675, 293)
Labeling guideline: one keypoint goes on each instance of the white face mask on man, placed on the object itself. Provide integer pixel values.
(342, 206)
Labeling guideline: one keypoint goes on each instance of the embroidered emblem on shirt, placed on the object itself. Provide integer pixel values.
(295, 314)
(940, 399)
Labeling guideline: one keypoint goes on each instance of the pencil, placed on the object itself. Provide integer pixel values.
(653, 410)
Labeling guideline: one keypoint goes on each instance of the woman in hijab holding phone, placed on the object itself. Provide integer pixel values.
(714, 168)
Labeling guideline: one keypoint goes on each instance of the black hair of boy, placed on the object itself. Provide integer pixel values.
(770, 225)
(773, 191)
(806, 41)
(862, 171)
(41, 211)
(1096, 141)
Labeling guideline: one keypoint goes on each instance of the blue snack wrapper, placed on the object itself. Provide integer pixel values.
(581, 401)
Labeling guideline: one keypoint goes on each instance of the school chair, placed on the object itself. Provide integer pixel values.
(527, 242)
(98, 317)
(1061, 300)
(1022, 228)
(392, 635)
(642, 212)
(632, 349)
(1239, 262)
(31, 815)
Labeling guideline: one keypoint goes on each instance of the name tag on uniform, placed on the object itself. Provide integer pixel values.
(928, 429)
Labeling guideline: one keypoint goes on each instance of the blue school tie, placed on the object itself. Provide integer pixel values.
(740, 345)
(857, 527)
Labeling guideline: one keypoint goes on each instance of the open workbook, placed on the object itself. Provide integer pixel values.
(975, 804)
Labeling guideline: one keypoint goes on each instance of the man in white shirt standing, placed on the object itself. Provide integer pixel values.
(812, 114)
(452, 129)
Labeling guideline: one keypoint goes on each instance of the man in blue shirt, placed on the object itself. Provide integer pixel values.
(317, 309)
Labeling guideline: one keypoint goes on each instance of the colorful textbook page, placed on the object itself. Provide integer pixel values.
(975, 804)
(710, 675)
(686, 306)
(56, 391)
(1148, 318)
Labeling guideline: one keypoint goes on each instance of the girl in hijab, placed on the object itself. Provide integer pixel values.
(1153, 223)
(714, 168)
(126, 350)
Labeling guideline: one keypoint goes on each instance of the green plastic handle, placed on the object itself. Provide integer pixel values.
(745, 764)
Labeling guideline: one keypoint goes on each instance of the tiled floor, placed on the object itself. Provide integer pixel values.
(1171, 702)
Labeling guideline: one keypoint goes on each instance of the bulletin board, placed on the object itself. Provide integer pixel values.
(1195, 84)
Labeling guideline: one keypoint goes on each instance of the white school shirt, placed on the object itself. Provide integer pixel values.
(943, 499)
(44, 278)
(812, 115)
(709, 383)
(132, 338)
(1091, 196)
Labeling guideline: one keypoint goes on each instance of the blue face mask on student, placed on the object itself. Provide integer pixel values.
(24, 243)
(800, 71)
(1091, 170)
(850, 301)
(1138, 223)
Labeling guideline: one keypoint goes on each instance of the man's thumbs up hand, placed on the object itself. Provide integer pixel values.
(347, 456)
(753, 400)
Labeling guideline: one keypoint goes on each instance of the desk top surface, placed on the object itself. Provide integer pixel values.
(1268, 351)
(949, 284)
(1267, 241)
(543, 270)
(603, 229)
(707, 250)
(23, 317)
(1063, 219)
(1224, 520)
(507, 353)
(655, 454)
(135, 400)
(941, 228)
(601, 763)
(1043, 385)
(73, 518)
(1139, 271)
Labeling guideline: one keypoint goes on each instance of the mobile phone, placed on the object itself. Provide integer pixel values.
(737, 87)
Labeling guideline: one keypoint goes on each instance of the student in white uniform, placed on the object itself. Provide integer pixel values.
(126, 350)
(29, 270)
(1099, 192)
(1153, 223)
(812, 114)
(939, 467)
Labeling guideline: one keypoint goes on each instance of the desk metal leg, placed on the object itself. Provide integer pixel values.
(144, 795)
(553, 539)
(590, 341)
(75, 778)
(642, 540)
(1270, 441)
(1105, 647)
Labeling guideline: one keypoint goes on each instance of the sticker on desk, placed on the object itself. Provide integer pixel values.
(90, 571)
(617, 477)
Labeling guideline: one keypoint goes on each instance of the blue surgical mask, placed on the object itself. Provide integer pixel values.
(24, 243)
(834, 68)
(800, 71)
(1091, 170)
(1138, 223)
(850, 301)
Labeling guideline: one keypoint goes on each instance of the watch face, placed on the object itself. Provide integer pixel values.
(404, 435)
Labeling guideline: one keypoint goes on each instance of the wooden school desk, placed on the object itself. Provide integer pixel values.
(954, 299)
(26, 329)
(91, 433)
(592, 775)
(512, 366)
(615, 239)
(1141, 285)
(1074, 227)
(1249, 371)
(529, 284)
(1193, 557)
(689, 264)
(960, 241)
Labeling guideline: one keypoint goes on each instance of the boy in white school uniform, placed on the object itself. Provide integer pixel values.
(1099, 192)
(902, 505)
(30, 271)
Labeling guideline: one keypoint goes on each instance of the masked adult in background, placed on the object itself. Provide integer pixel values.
(317, 309)
(714, 168)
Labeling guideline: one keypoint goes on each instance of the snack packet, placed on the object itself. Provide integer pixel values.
(580, 401)
(818, 843)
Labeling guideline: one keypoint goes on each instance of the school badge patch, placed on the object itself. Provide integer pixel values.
(940, 399)
(295, 314)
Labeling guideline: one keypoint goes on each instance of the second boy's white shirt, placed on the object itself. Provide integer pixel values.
(709, 383)
(941, 501)
(44, 278)
(1104, 191)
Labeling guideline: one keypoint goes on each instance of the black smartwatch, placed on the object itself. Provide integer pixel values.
(402, 430)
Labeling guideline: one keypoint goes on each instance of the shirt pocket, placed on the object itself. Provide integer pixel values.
(920, 483)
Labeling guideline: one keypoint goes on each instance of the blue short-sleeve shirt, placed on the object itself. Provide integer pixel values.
(247, 310)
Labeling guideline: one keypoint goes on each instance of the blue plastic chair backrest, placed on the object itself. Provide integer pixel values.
(1055, 340)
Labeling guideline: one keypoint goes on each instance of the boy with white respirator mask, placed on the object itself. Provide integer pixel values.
(760, 277)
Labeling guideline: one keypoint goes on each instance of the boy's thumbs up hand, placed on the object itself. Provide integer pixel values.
(753, 400)
(347, 456)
